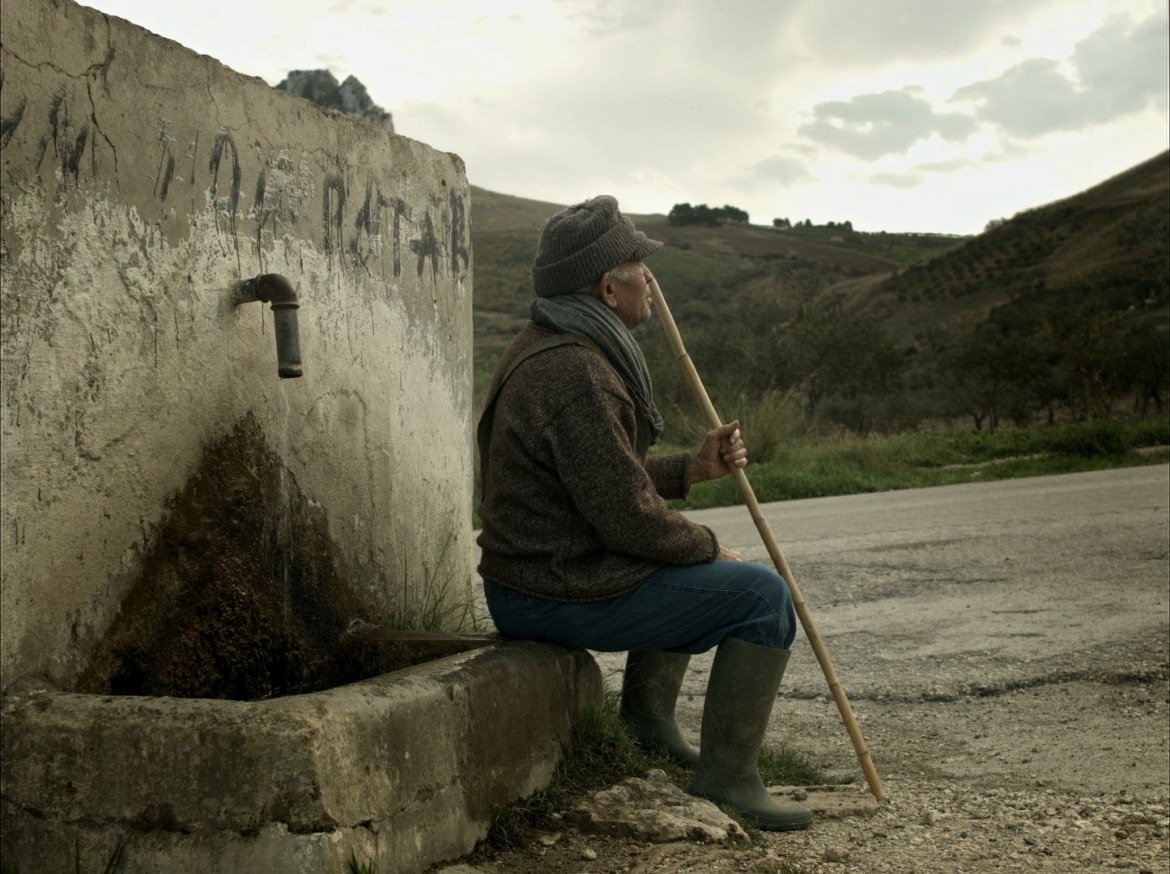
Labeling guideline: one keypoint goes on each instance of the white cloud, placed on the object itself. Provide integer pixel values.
(1120, 69)
(778, 170)
(846, 33)
(1029, 100)
(897, 180)
(894, 114)
(1127, 64)
(872, 125)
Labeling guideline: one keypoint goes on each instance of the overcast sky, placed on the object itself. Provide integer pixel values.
(909, 115)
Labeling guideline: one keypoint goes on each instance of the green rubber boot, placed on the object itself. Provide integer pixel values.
(744, 680)
(649, 691)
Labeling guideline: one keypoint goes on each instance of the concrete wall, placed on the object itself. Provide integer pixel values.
(140, 181)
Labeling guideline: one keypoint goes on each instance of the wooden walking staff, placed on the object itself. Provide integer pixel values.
(749, 496)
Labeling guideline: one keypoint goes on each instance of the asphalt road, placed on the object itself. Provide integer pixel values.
(999, 576)
(1005, 633)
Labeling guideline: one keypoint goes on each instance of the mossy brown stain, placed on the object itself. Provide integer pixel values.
(235, 601)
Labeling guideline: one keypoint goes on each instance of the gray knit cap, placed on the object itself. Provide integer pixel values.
(579, 244)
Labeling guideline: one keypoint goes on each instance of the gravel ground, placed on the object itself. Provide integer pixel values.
(1006, 650)
(927, 827)
(921, 828)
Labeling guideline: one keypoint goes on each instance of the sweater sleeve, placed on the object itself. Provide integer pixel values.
(593, 447)
(668, 472)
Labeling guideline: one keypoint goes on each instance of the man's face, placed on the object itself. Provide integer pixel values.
(627, 293)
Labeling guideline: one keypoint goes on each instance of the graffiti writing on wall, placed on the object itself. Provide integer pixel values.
(166, 166)
(228, 206)
(363, 225)
(62, 135)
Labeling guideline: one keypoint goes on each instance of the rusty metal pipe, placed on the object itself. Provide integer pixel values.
(274, 289)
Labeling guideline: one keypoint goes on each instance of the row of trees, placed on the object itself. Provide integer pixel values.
(1077, 360)
(713, 216)
(838, 363)
(685, 214)
(1023, 363)
(784, 224)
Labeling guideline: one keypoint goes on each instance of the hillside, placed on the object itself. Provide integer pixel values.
(1106, 248)
(1111, 242)
(1062, 307)
(700, 268)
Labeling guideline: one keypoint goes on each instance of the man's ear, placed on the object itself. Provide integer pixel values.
(604, 290)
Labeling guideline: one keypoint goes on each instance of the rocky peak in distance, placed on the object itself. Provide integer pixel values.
(349, 97)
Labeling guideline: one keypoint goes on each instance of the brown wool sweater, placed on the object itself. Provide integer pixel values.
(570, 511)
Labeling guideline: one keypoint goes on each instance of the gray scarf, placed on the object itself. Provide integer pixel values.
(585, 314)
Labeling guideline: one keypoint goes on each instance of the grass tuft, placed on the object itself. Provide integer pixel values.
(782, 766)
(356, 867)
(434, 603)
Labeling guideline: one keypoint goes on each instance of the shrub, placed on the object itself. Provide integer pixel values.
(769, 423)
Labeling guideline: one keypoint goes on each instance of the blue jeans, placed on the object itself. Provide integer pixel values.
(680, 608)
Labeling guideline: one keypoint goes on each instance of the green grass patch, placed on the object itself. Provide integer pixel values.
(782, 766)
(809, 469)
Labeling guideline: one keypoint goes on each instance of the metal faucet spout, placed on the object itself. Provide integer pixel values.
(278, 291)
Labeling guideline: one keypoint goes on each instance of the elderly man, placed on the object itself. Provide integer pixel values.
(578, 545)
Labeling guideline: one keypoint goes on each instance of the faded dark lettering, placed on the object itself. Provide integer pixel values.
(258, 199)
(71, 156)
(399, 212)
(166, 168)
(458, 224)
(427, 246)
(11, 122)
(54, 126)
(223, 140)
(259, 211)
(333, 212)
(368, 225)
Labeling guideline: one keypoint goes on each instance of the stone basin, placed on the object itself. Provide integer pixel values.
(403, 770)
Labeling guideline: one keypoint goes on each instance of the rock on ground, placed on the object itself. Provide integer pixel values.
(653, 810)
